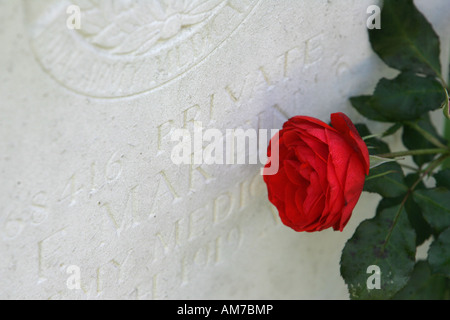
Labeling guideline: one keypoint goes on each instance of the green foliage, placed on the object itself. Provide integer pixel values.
(446, 106)
(410, 211)
(389, 185)
(439, 254)
(404, 98)
(421, 226)
(435, 205)
(406, 41)
(372, 245)
(443, 178)
(424, 285)
(414, 140)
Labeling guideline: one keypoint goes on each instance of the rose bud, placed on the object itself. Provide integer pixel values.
(321, 173)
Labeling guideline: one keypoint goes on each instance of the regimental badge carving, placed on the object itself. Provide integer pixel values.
(135, 28)
(128, 47)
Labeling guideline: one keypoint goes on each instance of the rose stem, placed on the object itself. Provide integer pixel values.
(415, 152)
(411, 189)
(427, 135)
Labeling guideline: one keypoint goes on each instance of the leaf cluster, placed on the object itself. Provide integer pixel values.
(410, 212)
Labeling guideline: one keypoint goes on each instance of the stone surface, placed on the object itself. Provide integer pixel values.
(85, 121)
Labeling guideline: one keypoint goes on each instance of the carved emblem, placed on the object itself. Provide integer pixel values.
(130, 27)
(127, 47)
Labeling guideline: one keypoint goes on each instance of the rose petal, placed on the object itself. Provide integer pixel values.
(293, 139)
(317, 146)
(335, 196)
(294, 215)
(275, 185)
(293, 169)
(302, 121)
(345, 126)
(340, 153)
(313, 193)
(353, 188)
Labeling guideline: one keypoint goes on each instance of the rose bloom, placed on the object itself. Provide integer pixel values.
(321, 172)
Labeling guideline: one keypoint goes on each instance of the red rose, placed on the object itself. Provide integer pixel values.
(321, 172)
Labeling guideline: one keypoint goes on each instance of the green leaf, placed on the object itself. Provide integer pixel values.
(371, 246)
(411, 179)
(376, 161)
(420, 225)
(405, 98)
(443, 178)
(386, 203)
(413, 140)
(388, 185)
(368, 107)
(376, 146)
(406, 40)
(435, 205)
(424, 286)
(392, 130)
(439, 254)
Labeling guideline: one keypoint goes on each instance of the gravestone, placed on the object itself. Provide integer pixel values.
(91, 205)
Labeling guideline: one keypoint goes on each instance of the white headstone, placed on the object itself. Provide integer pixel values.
(91, 205)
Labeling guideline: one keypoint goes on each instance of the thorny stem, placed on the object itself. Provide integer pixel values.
(410, 167)
(447, 124)
(380, 175)
(427, 135)
(442, 149)
(433, 165)
(443, 82)
(415, 152)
